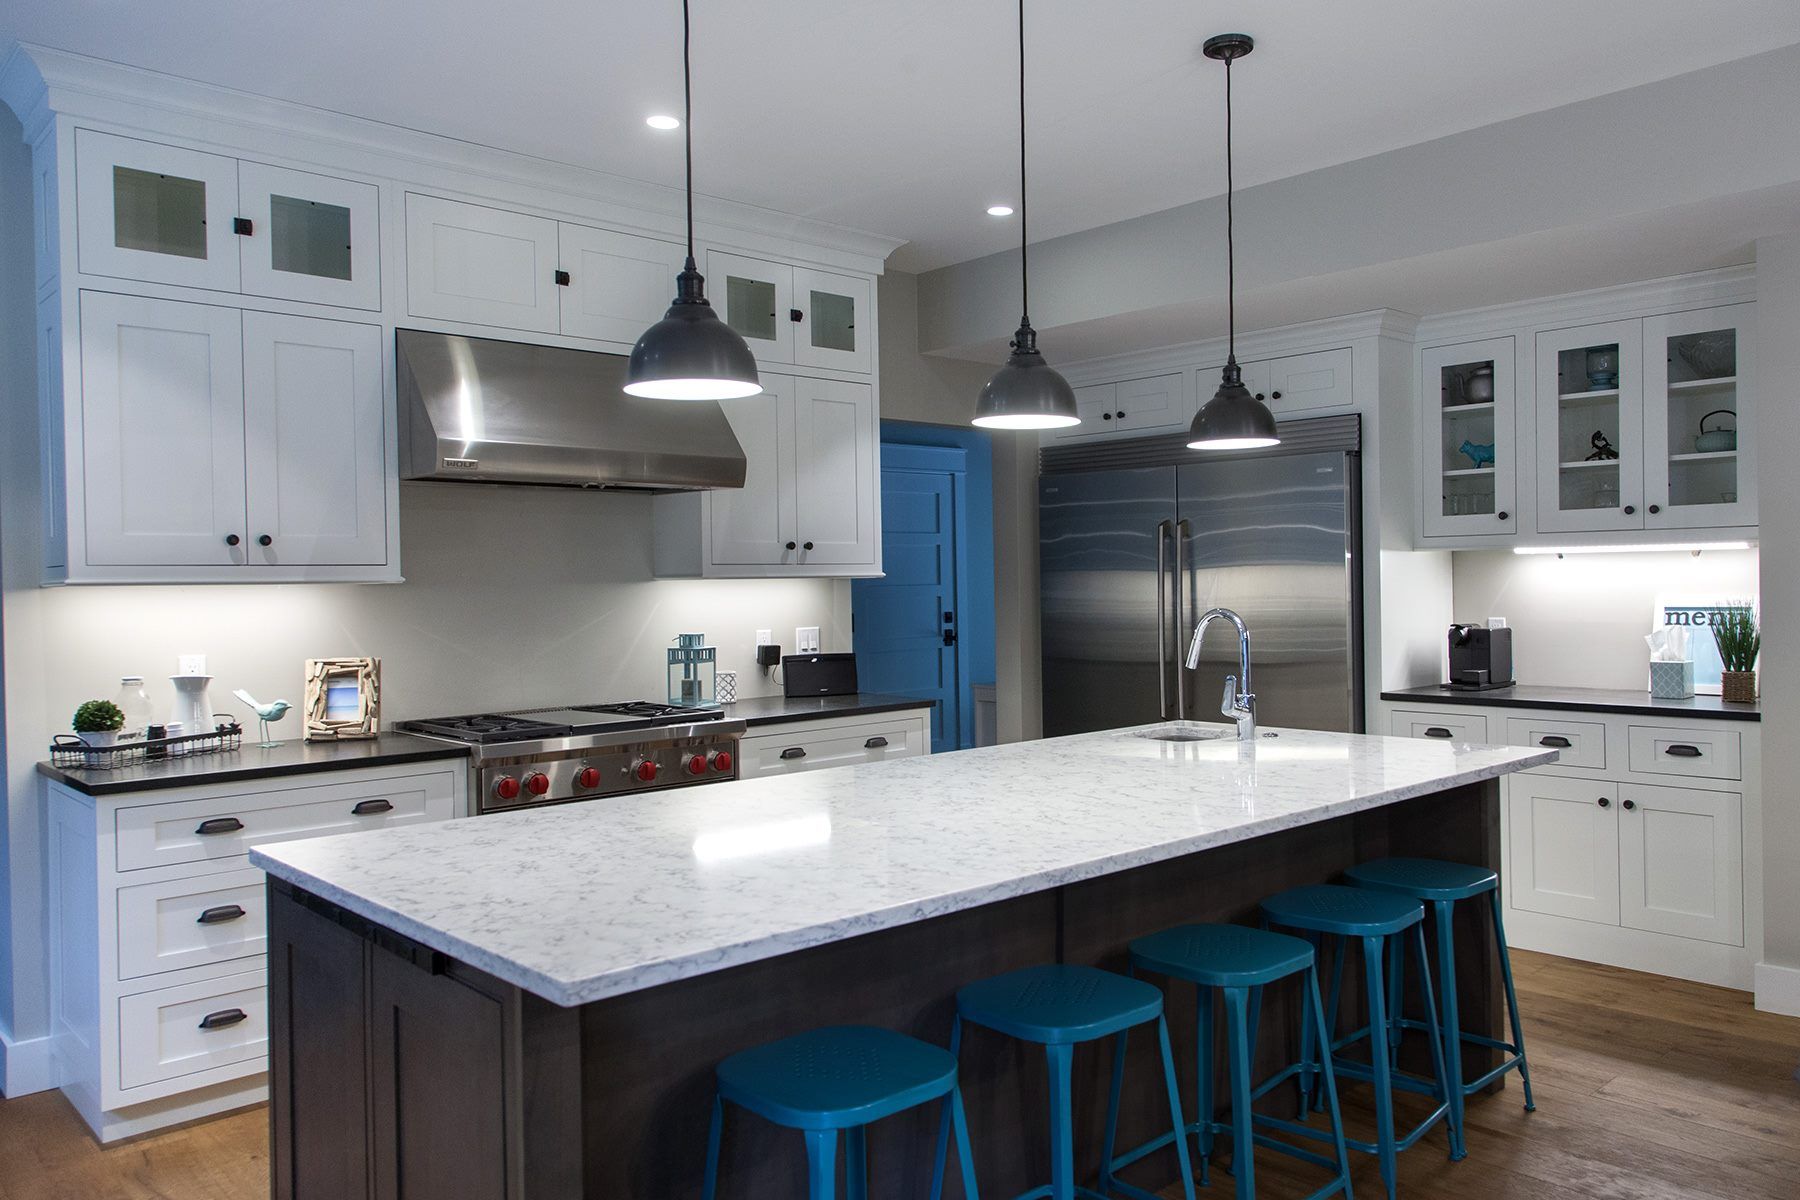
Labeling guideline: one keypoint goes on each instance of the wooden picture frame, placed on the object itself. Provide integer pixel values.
(343, 699)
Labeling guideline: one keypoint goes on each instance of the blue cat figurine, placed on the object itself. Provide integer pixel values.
(1478, 455)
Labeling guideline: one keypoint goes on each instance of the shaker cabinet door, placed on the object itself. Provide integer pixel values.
(162, 416)
(479, 265)
(316, 448)
(835, 480)
(752, 525)
(1681, 860)
(619, 284)
(156, 213)
(1563, 841)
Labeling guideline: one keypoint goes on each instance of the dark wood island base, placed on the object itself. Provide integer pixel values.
(399, 1073)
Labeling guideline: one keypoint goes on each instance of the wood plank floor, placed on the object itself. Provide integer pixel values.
(1647, 1089)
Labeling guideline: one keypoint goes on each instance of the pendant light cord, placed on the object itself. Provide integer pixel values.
(1230, 230)
(1024, 205)
(687, 119)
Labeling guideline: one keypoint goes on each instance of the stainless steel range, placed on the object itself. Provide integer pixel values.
(556, 755)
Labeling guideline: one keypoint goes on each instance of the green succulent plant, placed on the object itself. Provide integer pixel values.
(99, 716)
(1739, 637)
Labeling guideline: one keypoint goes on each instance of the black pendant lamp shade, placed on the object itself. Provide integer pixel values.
(1233, 419)
(1027, 393)
(691, 354)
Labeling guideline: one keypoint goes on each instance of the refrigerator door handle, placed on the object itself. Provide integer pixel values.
(1164, 529)
(1182, 532)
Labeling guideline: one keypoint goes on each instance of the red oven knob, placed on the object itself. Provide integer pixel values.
(537, 783)
(588, 777)
(646, 770)
(506, 788)
(722, 760)
(696, 764)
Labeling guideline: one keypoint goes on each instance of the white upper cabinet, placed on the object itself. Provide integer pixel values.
(1303, 384)
(614, 285)
(834, 326)
(163, 214)
(754, 525)
(1156, 404)
(218, 445)
(309, 237)
(162, 428)
(835, 474)
(1590, 428)
(1468, 466)
(1700, 440)
(158, 213)
(315, 442)
(480, 265)
(756, 298)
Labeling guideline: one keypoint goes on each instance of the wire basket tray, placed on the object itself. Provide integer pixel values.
(71, 753)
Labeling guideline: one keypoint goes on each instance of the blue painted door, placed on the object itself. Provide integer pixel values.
(906, 621)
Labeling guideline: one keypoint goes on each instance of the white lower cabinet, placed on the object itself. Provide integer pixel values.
(159, 1008)
(1639, 847)
(794, 746)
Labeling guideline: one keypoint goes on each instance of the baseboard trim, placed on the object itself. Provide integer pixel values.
(1778, 989)
(24, 1065)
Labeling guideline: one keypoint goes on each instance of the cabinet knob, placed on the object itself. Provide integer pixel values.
(1605, 803)
(1630, 805)
(796, 316)
(242, 226)
(790, 546)
(232, 539)
(806, 546)
(1274, 395)
(265, 540)
(1504, 516)
(1655, 508)
(1630, 508)
(562, 278)
(1120, 414)
(1106, 416)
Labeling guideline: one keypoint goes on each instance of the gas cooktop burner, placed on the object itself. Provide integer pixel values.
(650, 708)
(541, 723)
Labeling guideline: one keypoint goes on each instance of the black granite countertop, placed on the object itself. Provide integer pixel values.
(251, 761)
(1600, 700)
(767, 710)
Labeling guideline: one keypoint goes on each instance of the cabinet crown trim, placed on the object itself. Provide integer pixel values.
(1330, 333)
(1700, 289)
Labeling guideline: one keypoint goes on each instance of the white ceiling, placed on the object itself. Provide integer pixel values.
(897, 117)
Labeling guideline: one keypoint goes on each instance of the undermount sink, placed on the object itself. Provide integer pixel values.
(1183, 731)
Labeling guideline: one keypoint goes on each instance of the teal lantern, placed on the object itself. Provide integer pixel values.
(693, 671)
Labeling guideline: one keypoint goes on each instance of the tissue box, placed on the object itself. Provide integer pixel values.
(1672, 680)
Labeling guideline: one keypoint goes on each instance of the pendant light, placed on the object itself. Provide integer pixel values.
(1233, 419)
(1027, 393)
(691, 354)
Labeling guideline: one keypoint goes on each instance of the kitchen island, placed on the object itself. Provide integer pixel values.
(531, 1004)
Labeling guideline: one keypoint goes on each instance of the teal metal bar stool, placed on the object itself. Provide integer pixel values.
(1238, 962)
(1059, 1006)
(1378, 920)
(1442, 885)
(840, 1078)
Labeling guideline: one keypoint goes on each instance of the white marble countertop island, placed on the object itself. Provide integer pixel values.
(578, 902)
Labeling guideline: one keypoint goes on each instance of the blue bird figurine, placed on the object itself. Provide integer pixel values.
(1479, 454)
(265, 713)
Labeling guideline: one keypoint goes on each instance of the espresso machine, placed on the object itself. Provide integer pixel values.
(1481, 659)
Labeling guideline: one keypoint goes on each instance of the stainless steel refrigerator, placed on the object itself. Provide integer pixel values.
(1131, 555)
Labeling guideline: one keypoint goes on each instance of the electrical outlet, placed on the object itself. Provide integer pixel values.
(806, 639)
(765, 637)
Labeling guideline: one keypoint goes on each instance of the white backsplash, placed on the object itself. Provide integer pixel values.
(1580, 620)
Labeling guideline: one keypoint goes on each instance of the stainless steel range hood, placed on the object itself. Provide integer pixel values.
(476, 410)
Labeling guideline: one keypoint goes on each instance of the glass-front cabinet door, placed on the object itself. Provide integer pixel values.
(309, 237)
(1470, 467)
(832, 330)
(1699, 431)
(156, 213)
(1590, 428)
(756, 298)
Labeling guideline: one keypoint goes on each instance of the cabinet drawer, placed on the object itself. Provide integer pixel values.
(1579, 743)
(154, 835)
(1469, 727)
(831, 746)
(192, 1028)
(191, 922)
(1696, 753)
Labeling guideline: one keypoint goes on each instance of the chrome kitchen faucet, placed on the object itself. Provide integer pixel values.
(1238, 704)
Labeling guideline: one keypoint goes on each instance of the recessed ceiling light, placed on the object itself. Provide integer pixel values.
(661, 121)
(1000, 210)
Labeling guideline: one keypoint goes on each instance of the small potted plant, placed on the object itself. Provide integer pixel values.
(98, 722)
(1739, 638)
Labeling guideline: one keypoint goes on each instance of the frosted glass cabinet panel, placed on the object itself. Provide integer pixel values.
(756, 298)
(1700, 435)
(310, 237)
(1469, 466)
(153, 212)
(833, 331)
(1590, 428)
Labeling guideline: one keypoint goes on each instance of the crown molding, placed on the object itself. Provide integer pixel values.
(1700, 289)
(40, 82)
(1325, 334)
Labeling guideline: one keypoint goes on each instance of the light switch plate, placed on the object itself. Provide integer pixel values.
(806, 639)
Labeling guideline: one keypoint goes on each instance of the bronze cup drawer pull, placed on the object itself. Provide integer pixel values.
(369, 808)
(217, 825)
(1555, 741)
(219, 914)
(1437, 731)
(875, 743)
(225, 1018)
(794, 752)
(1682, 750)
